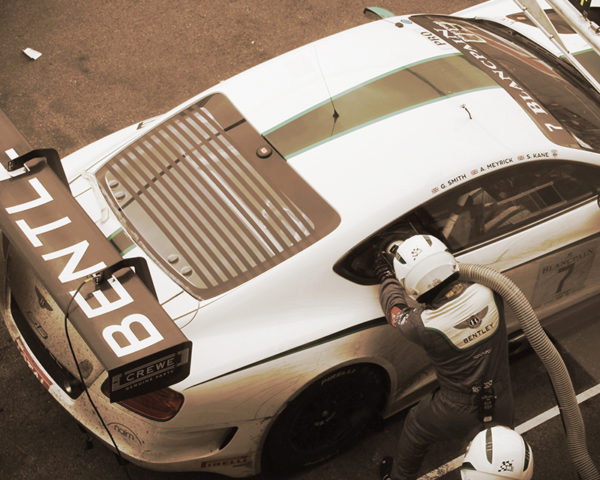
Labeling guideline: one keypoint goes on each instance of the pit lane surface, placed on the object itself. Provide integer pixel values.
(106, 65)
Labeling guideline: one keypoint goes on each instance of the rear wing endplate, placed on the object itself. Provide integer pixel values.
(109, 304)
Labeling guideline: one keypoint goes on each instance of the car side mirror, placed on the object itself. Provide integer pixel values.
(377, 13)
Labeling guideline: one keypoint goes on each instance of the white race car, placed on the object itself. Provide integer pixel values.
(214, 266)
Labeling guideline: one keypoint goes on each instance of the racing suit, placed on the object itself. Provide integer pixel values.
(463, 332)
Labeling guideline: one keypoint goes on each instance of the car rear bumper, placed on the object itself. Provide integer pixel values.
(165, 446)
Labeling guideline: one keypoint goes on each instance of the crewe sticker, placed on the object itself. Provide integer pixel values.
(122, 322)
(150, 372)
(475, 44)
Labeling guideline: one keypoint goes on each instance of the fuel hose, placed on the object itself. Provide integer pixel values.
(548, 354)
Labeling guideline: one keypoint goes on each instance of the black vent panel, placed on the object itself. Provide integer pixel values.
(210, 200)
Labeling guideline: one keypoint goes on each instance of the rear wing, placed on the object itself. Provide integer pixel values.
(108, 303)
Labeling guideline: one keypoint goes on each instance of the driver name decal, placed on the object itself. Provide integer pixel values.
(476, 171)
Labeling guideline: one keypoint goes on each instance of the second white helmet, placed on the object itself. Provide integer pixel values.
(421, 263)
(497, 453)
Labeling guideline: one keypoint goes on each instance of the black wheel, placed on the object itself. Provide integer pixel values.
(325, 418)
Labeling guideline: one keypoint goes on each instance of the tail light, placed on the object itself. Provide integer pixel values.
(160, 405)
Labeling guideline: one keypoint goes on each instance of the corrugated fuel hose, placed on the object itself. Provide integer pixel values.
(546, 351)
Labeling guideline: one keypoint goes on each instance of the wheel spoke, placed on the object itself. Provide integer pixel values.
(325, 417)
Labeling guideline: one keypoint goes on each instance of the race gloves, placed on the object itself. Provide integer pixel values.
(382, 268)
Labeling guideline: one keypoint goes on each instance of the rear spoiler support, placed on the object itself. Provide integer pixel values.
(575, 19)
(140, 266)
(52, 159)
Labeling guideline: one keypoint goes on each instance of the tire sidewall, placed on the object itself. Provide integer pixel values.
(367, 390)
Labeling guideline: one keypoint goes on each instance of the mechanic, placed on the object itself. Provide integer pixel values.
(461, 327)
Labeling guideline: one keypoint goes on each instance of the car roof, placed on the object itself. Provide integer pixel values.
(393, 161)
(370, 173)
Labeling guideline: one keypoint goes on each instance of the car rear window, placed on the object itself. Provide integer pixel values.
(208, 199)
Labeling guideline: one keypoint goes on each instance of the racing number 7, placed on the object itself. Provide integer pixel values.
(569, 270)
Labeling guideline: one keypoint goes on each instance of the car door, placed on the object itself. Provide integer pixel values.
(539, 223)
(536, 221)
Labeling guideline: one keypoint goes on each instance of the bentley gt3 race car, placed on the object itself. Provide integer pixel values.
(211, 269)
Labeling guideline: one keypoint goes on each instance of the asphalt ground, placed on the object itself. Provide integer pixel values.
(106, 65)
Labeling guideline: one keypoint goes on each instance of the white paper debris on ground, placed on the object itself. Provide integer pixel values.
(31, 53)
(11, 153)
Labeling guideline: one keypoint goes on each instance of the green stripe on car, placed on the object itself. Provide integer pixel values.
(389, 94)
(121, 241)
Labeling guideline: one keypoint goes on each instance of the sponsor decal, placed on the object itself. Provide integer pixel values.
(121, 321)
(398, 316)
(42, 301)
(434, 39)
(564, 273)
(475, 45)
(32, 364)
(150, 372)
(341, 373)
(506, 466)
(125, 433)
(36, 325)
(226, 462)
(473, 321)
(479, 333)
(472, 329)
(482, 354)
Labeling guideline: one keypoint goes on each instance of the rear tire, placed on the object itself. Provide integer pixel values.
(324, 419)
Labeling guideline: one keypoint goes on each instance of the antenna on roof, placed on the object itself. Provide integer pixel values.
(335, 115)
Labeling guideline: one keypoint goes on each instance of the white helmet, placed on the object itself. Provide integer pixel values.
(421, 263)
(497, 453)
